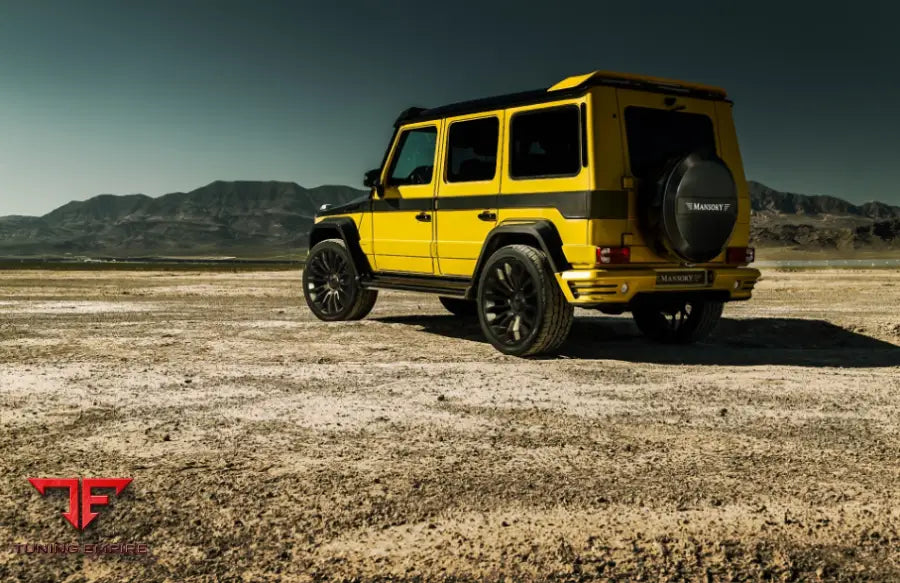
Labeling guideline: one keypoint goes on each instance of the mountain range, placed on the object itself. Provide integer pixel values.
(233, 218)
(268, 218)
(817, 222)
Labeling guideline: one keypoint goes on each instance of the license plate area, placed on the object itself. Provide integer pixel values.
(682, 277)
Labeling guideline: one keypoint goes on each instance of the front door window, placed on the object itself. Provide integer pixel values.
(414, 161)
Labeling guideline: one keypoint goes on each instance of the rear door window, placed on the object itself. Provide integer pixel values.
(545, 143)
(472, 150)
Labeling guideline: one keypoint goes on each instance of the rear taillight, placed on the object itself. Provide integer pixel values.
(740, 255)
(613, 255)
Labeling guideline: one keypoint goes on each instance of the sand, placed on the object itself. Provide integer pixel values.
(268, 446)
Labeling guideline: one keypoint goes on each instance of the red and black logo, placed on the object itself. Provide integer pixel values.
(81, 511)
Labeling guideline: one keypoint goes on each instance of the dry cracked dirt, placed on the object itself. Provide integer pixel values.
(265, 445)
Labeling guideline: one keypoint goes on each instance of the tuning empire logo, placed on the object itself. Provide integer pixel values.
(83, 498)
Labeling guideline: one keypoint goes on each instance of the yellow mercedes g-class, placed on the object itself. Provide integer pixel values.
(609, 191)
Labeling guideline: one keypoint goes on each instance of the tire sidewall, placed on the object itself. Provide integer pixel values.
(522, 346)
(354, 290)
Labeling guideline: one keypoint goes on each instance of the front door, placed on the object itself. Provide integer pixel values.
(403, 219)
(467, 191)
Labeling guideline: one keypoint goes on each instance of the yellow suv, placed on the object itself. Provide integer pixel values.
(608, 191)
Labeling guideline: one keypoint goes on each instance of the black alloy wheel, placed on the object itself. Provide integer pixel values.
(511, 301)
(521, 309)
(331, 286)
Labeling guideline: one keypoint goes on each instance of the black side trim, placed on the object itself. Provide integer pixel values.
(541, 232)
(578, 204)
(383, 205)
(345, 229)
(447, 286)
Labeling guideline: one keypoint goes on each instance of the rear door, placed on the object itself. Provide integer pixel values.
(657, 128)
(467, 190)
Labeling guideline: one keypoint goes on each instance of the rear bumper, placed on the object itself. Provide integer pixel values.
(620, 286)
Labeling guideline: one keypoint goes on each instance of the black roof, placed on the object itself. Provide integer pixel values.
(416, 114)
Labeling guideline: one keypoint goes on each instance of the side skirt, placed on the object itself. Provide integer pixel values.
(445, 286)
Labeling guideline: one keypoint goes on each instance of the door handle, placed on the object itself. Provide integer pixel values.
(424, 217)
(487, 216)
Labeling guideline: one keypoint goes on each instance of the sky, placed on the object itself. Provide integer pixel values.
(164, 96)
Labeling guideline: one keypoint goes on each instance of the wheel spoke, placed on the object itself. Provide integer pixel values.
(505, 285)
(316, 268)
(512, 330)
(504, 318)
(329, 281)
(528, 287)
(511, 276)
(510, 301)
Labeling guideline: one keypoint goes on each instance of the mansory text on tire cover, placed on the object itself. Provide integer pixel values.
(693, 207)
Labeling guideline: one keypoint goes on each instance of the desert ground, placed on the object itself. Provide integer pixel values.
(268, 446)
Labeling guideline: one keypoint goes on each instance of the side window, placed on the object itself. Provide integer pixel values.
(413, 162)
(472, 150)
(545, 143)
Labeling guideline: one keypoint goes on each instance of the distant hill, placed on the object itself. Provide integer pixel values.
(270, 218)
(815, 222)
(219, 218)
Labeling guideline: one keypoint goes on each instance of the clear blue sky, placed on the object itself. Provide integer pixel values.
(161, 96)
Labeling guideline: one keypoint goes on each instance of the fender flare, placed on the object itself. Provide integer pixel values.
(543, 233)
(343, 228)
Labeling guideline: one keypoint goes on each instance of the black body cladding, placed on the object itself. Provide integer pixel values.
(542, 232)
(351, 206)
(345, 229)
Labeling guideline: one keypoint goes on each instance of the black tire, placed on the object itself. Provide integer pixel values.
(681, 323)
(460, 307)
(517, 290)
(331, 284)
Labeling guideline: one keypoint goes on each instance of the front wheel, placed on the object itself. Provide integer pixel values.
(331, 286)
(679, 323)
(521, 309)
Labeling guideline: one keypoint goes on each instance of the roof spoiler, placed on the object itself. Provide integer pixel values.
(628, 80)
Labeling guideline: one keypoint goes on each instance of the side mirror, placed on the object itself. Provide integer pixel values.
(373, 180)
(371, 177)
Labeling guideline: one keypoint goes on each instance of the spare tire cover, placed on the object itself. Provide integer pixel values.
(697, 201)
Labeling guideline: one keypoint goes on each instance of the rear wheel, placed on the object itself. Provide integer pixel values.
(331, 285)
(521, 309)
(679, 323)
(460, 307)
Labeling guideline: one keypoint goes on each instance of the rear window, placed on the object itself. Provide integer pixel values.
(657, 136)
(545, 143)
